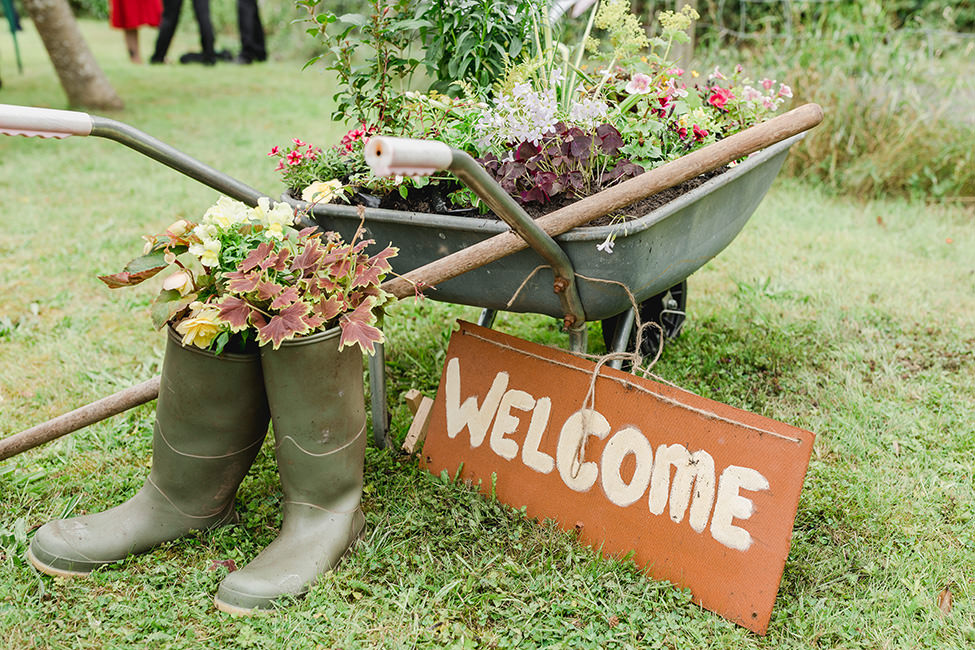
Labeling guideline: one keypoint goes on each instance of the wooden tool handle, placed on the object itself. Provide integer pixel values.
(585, 210)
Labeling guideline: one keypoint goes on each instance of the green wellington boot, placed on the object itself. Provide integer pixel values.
(211, 418)
(317, 408)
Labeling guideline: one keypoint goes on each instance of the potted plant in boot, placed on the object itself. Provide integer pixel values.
(279, 318)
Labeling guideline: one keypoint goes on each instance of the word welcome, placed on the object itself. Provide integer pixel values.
(696, 491)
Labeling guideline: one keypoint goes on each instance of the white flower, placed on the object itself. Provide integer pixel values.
(225, 213)
(607, 245)
(208, 252)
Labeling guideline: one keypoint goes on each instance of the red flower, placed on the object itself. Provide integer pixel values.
(294, 157)
(719, 96)
(682, 132)
(275, 150)
(298, 143)
(699, 133)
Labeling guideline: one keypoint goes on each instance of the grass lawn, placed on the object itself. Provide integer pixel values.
(853, 320)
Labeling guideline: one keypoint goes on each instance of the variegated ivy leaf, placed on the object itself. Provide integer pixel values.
(235, 312)
(256, 256)
(287, 296)
(357, 328)
(289, 323)
(242, 282)
(266, 289)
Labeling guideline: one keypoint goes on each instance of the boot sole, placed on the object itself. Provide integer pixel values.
(47, 569)
(234, 610)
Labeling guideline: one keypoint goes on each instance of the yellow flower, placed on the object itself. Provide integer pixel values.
(225, 213)
(202, 326)
(322, 191)
(181, 281)
(208, 252)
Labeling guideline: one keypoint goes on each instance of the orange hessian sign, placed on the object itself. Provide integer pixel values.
(704, 495)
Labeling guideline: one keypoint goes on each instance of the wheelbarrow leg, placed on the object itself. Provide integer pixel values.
(622, 338)
(377, 393)
(486, 319)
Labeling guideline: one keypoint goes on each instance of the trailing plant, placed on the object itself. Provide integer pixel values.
(244, 274)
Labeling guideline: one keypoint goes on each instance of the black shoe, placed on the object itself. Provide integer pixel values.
(198, 57)
(155, 61)
(240, 59)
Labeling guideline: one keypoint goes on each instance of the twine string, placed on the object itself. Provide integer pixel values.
(635, 357)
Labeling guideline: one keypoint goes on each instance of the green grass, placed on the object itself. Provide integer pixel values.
(820, 315)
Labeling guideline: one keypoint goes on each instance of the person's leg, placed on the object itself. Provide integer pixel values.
(132, 45)
(167, 27)
(201, 8)
(252, 47)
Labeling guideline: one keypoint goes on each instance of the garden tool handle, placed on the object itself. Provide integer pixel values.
(43, 122)
(710, 157)
(52, 123)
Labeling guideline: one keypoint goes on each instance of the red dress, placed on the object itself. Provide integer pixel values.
(130, 14)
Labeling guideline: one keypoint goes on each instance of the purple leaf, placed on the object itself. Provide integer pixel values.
(525, 151)
(610, 139)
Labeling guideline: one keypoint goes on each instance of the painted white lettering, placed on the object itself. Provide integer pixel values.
(505, 422)
(693, 470)
(477, 420)
(576, 472)
(530, 455)
(732, 505)
(623, 443)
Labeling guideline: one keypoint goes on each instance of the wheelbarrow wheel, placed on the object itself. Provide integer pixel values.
(666, 309)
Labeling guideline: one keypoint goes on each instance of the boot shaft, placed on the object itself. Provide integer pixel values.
(315, 393)
(211, 419)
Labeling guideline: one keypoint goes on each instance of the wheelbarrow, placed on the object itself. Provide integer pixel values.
(485, 263)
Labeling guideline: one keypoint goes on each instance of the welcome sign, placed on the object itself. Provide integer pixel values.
(702, 494)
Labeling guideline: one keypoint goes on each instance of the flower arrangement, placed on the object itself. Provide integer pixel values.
(247, 274)
(564, 120)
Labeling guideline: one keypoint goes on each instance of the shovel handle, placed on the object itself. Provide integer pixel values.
(43, 122)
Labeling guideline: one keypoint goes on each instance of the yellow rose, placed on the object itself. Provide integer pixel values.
(201, 327)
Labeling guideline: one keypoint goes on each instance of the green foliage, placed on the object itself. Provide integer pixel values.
(470, 40)
(372, 58)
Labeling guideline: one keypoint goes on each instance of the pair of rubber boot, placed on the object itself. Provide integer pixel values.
(211, 419)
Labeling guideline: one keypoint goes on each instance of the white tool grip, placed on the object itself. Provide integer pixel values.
(43, 122)
(406, 157)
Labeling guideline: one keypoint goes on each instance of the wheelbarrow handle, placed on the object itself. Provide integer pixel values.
(43, 122)
(52, 123)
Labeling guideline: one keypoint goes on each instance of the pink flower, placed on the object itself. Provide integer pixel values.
(275, 150)
(675, 72)
(639, 84)
(769, 104)
(767, 83)
(738, 69)
(785, 91)
(293, 157)
(298, 143)
(699, 133)
(280, 166)
(719, 96)
(750, 94)
(717, 74)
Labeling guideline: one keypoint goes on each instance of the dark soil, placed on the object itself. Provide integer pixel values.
(432, 199)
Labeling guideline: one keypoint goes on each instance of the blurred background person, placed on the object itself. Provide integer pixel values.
(129, 15)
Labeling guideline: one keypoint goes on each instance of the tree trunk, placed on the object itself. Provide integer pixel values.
(81, 77)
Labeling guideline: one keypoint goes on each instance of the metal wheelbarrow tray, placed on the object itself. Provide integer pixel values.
(651, 254)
